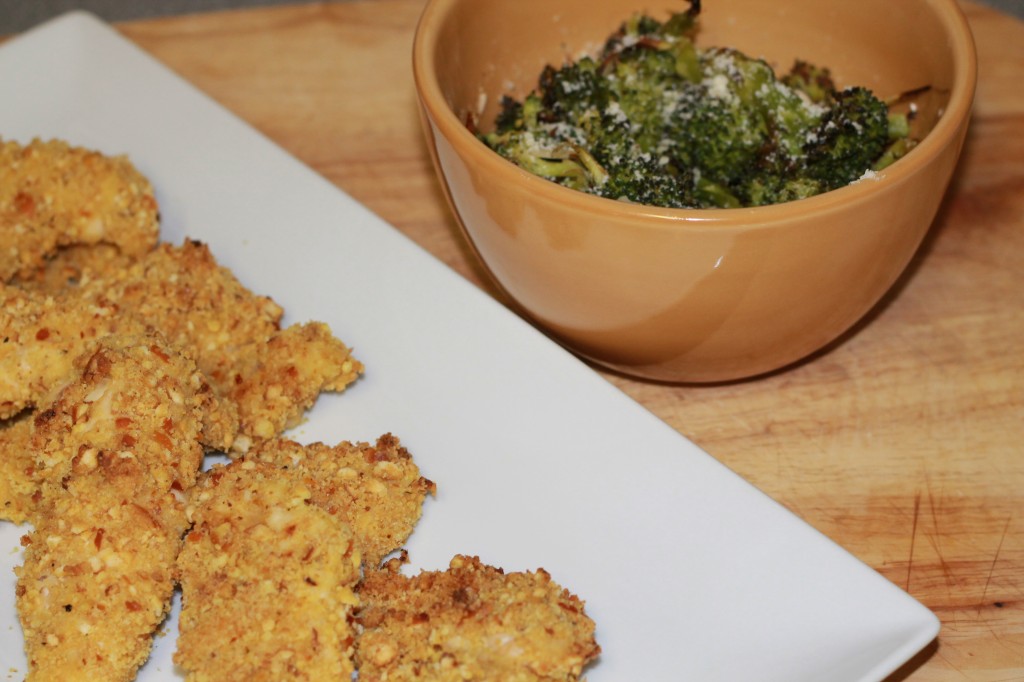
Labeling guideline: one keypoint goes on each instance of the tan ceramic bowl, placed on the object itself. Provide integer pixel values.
(693, 295)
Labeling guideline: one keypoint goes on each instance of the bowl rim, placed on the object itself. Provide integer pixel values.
(945, 132)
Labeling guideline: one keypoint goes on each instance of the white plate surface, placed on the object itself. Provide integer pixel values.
(690, 573)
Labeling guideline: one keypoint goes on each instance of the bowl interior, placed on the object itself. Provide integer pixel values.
(483, 50)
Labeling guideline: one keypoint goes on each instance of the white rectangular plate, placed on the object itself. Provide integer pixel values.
(690, 573)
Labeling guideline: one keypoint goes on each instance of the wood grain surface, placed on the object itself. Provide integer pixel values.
(904, 441)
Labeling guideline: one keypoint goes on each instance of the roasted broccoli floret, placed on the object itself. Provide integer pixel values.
(729, 132)
(646, 179)
(574, 94)
(653, 120)
(852, 134)
(551, 133)
(813, 81)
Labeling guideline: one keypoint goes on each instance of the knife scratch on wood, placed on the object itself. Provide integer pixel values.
(913, 539)
(995, 559)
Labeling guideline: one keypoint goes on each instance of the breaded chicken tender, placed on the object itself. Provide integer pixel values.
(274, 383)
(97, 577)
(53, 195)
(45, 340)
(41, 338)
(17, 466)
(267, 580)
(135, 395)
(197, 304)
(377, 489)
(273, 375)
(471, 622)
(114, 455)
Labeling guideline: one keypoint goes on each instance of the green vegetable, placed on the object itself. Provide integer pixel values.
(654, 120)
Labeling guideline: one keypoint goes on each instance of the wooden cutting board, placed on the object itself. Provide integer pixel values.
(904, 441)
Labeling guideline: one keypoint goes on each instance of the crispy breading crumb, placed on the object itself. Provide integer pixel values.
(114, 454)
(471, 622)
(275, 382)
(377, 488)
(267, 580)
(136, 396)
(17, 465)
(71, 266)
(96, 580)
(272, 375)
(53, 195)
(42, 338)
(196, 303)
(45, 342)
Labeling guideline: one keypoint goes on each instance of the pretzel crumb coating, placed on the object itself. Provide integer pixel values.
(196, 303)
(375, 488)
(471, 622)
(53, 195)
(17, 466)
(272, 375)
(276, 382)
(136, 396)
(114, 454)
(72, 266)
(42, 337)
(96, 581)
(267, 580)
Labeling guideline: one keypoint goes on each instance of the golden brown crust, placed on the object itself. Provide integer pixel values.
(96, 580)
(53, 195)
(272, 375)
(136, 395)
(377, 489)
(197, 304)
(49, 343)
(72, 266)
(471, 622)
(114, 454)
(42, 338)
(267, 580)
(17, 466)
(275, 382)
